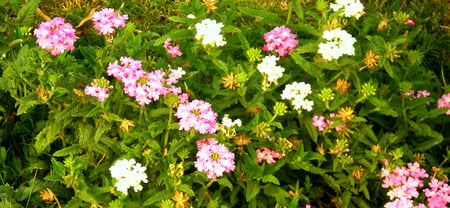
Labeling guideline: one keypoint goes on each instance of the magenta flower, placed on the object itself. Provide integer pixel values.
(410, 22)
(214, 159)
(55, 36)
(280, 40)
(268, 155)
(174, 51)
(444, 102)
(98, 88)
(146, 87)
(106, 20)
(197, 114)
(319, 122)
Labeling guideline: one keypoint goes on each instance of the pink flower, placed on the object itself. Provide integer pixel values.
(197, 114)
(174, 51)
(98, 88)
(410, 22)
(268, 155)
(280, 40)
(444, 102)
(106, 20)
(214, 159)
(55, 36)
(319, 122)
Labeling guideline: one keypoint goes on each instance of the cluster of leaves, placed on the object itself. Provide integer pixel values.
(54, 137)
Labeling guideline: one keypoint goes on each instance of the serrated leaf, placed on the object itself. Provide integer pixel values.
(71, 150)
(25, 16)
(185, 188)
(275, 191)
(158, 196)
(305, 65)
(270, 178)
(101, 129)
(221, 65)
(252, 190)
(85, 132)
(310, 47)
(265, 17)
(223, 181)
(298, 9)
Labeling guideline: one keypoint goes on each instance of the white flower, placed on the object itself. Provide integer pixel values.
(128, 174)
(227, 122)
(352, 8)
(297, 92)
(268, 66)
(339, 42)
(208, 31)
(190, 16)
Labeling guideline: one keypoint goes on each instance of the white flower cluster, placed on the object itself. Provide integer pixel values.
(352, 8)
(339, 42)
(208, 31)
(268, 66)
(297, 92)
(227, 122)
(128, 174)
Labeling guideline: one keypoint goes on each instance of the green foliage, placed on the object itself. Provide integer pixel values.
(53, 136)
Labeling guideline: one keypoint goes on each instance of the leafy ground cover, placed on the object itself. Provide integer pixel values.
(224, 103)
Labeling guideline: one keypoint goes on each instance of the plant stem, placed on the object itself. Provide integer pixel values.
(166, 137)
(289, 14)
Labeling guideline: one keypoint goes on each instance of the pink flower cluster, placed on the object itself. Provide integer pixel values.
(404, 183)
(106, 20)
(280, 40)
(174, 51)
(444, 102)
(418, 94)
(197, 114)
(98, 88)
(56, 36)
(410, 22)
(213, 158)
(438, 193)
(146, 86)
(268, 155)
(321, 124)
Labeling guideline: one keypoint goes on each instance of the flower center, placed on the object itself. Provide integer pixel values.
(215, 156)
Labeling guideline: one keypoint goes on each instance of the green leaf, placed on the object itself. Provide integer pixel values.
(305, 65)
(221, 65)
(270, 178)
(186, 189)
(310, 47)
(175, 35)
(261, 15)
(244, 41)
(275, 191)
(85, 132)
(437, 139)
(25, 16)
(158, 196)
(58, 167)
(298, 9)
(230, 29)
(253, 189)
(367, 130)
(71, 150)
(101, 129)
(223, 181)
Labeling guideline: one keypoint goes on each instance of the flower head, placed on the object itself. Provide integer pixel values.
(296, 93)
(128, 173)
(98, 88)
(208, 31)
(280, 40)
(339, 42)
(197, 114)
(55, 36)
(214, 159)
(270, 70)
(230, 81)
(342, 86)
(352, 8)
(267, 155)
(106, 20)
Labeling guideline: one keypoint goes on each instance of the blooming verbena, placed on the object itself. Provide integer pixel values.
(174, 51)
(208, 31)
(444, 102)
(352, 8)
(106, 21)
(418, 94)
(267, 155)
(98, 88)
(404, 183)
(144, 86)
(321, 124)
(296, 93)
(227, 122)
(128, 173)
(280, 40)
(197, 114)
(213, 158)
(56, 36)
(339, 42)
(270, 70)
